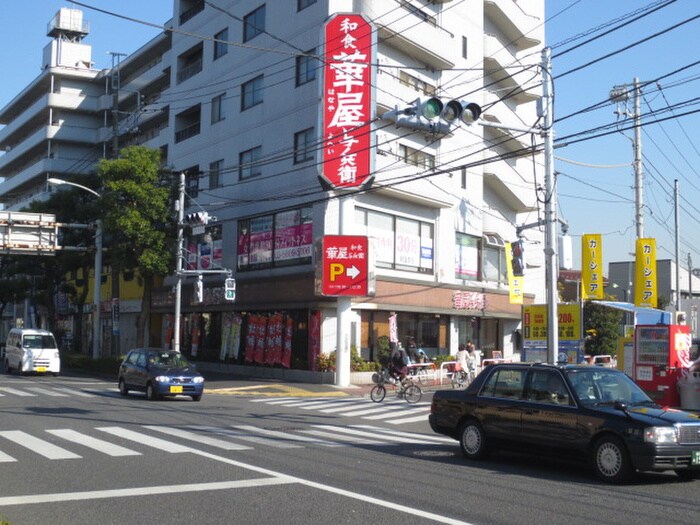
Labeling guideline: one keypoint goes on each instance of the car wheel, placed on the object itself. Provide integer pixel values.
(122, 387)
(150, 392)
(688, 474)
(197, 397)
(55, 374)
(473, 441)
(610, 460)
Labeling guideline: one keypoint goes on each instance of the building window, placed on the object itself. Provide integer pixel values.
(189, 8)
(493, 259)
(218, 110)
(416, 157)
(303, 4)
(220, 45)
(254, 23)
(402, 243)
(249, 163)
(303, 146)
(416, 83)
(281, 239)
(464, 47)
(252, 93)
(215, 174)
(422, 15)
(189, 63)
(467, 265)
(306, 67)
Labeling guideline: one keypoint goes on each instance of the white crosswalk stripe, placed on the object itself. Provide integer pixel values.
(394, 411)
(41, 447)
(16, 392)
(45, 391)
(96, 444)
(199, 437)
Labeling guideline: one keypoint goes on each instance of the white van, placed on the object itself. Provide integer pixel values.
(30, 350)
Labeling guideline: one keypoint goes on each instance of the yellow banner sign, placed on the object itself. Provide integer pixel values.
(535, 322)
(515, 282)
(592, 266)
(645, 291)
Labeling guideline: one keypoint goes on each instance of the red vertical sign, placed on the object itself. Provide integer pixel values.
(347, 101)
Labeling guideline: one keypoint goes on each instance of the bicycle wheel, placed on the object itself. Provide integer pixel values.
(378, 393)
(459, 379)
(413, 394)
(422, 376)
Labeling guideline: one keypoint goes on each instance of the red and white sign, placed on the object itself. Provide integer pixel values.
(347, 101)
(345, 268)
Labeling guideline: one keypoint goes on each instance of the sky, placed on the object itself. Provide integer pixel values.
(595, 181)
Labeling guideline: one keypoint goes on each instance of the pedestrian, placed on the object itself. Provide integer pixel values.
(462, 355)
(412, 349)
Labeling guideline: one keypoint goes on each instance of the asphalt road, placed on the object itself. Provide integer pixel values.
(72, 451)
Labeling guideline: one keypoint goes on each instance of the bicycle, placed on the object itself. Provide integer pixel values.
(405, 389)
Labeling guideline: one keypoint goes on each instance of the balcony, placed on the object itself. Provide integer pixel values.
(516, 25)
(196, 7)
(505, 180)
(413, 31)
(187, 132)
(498, 62)
(189, 71)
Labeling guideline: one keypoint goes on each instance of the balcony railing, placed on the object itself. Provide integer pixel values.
(189, 71)
(186, 133)
(192, 11)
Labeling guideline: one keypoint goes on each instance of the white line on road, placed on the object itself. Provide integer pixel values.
(199, 438)
(41, 447)
(16, 392)
(94, 443)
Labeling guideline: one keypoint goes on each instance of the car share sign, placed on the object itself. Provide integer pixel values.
(347, 101)
(345, 265)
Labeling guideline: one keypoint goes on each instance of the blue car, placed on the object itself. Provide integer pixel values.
(159, 373)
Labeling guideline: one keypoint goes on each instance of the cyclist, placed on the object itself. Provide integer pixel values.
(398, 362)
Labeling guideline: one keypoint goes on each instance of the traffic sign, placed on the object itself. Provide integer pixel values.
(345, 265)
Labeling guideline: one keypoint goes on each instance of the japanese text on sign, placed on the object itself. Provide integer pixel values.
(347, 93)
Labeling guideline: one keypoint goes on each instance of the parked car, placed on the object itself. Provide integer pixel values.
(159, 373)
(29, 350)
(594, 413)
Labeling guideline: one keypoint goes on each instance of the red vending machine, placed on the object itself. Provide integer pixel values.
(661, 352)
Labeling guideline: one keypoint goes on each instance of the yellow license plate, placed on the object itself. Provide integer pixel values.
(41, 369)
(176, 390)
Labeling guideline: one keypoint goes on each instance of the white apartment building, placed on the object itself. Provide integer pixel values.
(232, 96)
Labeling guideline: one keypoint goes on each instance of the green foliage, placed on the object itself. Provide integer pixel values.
(438, 360)
(605, 322)
(137, 204)
(383, 350)
(326, 362)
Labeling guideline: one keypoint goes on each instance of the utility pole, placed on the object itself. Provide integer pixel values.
(550, 211)
(178, 261)
(678, 246)
(620, 95)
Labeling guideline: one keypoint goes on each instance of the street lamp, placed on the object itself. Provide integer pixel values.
(96, 299)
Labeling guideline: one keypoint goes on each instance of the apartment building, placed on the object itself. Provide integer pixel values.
(231, 95)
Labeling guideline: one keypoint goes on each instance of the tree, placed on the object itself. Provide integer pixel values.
(602, 324)
(137, 203)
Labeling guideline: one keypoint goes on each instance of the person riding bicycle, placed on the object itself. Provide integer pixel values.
(398, 362)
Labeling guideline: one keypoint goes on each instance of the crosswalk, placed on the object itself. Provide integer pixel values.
(392, 411)
(50, 391)
(119, 441)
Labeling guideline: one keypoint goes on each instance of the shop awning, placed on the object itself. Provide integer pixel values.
(642, 315)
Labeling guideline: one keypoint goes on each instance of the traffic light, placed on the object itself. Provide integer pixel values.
(434, 115)
(517, 260)
(230, 289)
(198, 217)
(199, 290)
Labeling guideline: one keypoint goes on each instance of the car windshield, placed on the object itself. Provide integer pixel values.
(168, 359)
(600, 386)
(38, 341)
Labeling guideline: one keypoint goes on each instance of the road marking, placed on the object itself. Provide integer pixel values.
(144, 439)
(238, 434)
(288, 436)
(16, 392)
(395, 438)
(74, 392)
(94, 443)
(39, 446)
(4, 458)
(277, 390)
(426, 438)
(45, 391)
(141, 491)
(425, 409)
(192, 436)
(353, 440)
